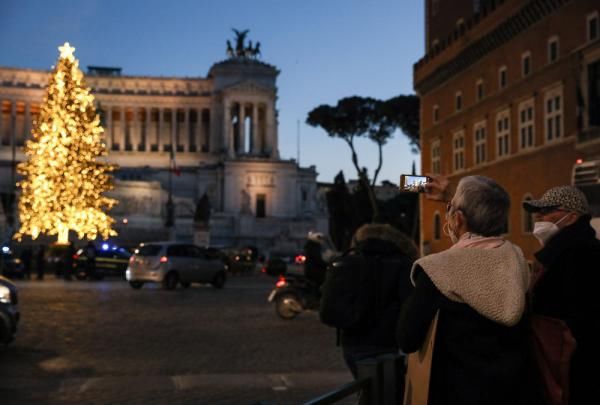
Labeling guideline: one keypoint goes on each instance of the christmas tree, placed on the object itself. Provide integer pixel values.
(65, 174)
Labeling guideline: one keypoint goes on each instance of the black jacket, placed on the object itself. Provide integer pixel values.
(476, 361)
(569, 290)
(393, 286)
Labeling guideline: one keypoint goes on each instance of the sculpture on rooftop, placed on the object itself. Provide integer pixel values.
(241, 50)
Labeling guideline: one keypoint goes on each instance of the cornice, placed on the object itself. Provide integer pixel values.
(528, 15)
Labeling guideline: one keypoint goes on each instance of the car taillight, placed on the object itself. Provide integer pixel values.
(132, 259)
(163, 259)
(75, 256)
(263, 270)
(300, 259)
(281, 282)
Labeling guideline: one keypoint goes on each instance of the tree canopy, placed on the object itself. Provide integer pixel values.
(355, 117)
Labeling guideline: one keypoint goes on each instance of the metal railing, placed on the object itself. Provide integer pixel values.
(380, 381)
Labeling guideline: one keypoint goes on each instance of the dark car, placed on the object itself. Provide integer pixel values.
(9, 313)
(281, 263)
(110, 261)
(11, 265)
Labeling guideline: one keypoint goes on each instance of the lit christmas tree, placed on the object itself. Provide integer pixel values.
(64, 177)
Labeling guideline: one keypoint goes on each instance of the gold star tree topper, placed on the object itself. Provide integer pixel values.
(66, 51)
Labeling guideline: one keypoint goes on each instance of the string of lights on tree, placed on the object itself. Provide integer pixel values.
(65, 172)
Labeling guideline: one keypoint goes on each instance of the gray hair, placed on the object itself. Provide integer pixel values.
(484, 203)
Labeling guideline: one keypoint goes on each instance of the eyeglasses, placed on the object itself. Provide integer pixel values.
(448, 207)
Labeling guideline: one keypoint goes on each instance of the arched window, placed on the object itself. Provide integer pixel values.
(527, 217)
(437, 226)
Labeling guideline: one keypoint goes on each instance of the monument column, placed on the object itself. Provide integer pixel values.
(159, 136)
(147, 141)
(13, 123)
(27, 126)
(186, 138)
(255, 136)
(108, 134)
(174, 135)
(242, 127)
(123, 137)
(270, 130)
(228, 135)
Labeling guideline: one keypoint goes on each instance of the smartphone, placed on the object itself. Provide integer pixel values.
(415, 184)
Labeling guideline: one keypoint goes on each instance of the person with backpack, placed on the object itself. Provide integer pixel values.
(476, 294)
(364, 290)
(566, 285)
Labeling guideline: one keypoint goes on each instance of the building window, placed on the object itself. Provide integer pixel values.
(480, 142)
(592, 26)
(553, 114)
(526, 64)
(527, 217)
(594, 94)
(502, 81)
(479, 89)
(503, 133)
(261, 205)
(437, 226)
(458, 141)
(435, 7)
(526, 124)
(458, 99)
(435, 157)
(553, 49)
(436, 113)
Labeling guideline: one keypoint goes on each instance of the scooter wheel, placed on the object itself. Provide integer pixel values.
(287, 306)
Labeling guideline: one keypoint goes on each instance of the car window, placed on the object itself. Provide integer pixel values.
(148, 250)
(195, 251)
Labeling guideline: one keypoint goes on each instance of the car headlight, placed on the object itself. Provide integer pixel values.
(4, 294)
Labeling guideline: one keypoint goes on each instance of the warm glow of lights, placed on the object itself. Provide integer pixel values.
(65, 173)
(125, 221)
(66, 51)
(579, 161)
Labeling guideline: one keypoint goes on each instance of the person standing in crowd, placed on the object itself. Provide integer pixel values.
(68, 261)
(478, 289)
(90, 260)
(394, 252)
(40, 262)
(567, 282)
(26, 256)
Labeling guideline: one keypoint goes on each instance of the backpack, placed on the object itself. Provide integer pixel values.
(351, 295)
(553, 346)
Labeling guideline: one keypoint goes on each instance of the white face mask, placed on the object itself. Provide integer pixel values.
(545, 230)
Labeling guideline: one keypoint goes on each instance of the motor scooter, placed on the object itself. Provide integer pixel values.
(294, 294)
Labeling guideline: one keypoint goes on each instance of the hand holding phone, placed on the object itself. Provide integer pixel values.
(415, 184)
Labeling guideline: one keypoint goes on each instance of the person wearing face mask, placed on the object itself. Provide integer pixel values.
(566, 283)
(478, 289)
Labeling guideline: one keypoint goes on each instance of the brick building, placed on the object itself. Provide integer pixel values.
(511, 90)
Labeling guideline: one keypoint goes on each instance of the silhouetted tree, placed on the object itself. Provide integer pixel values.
(355, 117)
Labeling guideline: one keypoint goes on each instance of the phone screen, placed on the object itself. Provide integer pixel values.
(412, 183)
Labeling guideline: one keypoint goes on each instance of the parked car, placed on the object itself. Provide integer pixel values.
(172, 263)
(11, 265)
(9, 312)
(110, 261)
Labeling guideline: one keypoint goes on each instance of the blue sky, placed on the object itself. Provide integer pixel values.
(325, 50)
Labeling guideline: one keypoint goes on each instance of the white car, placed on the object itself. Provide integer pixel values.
(172, 263)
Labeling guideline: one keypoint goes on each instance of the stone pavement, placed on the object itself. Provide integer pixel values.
(105, 343)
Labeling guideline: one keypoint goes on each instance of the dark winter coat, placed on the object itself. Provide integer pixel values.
(393, 286)
(481, 351)
(569, 290)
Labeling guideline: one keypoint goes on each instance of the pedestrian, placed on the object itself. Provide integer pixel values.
(90, 261)
(314, 265)
(567, 287)
(478, 289)
(389, 255)
(26, 256)
(68, 261)
(40, 262)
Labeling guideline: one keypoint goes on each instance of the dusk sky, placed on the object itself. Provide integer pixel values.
(325, 50)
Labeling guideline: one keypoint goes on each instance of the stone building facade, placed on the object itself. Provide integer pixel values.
(509, 89)
(214, 135)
